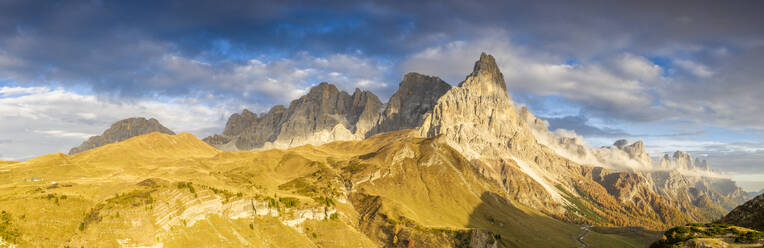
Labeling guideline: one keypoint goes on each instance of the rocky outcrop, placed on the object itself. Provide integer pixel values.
(478, 119)
(325, 114)
(750, 214)
(555, 173)
(683, 161)
(636, 151)
(122, 130)
(416, 96)
(682, 177)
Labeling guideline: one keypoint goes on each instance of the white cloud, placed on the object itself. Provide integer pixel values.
(44, 120)
(639, 67)
(696, 69)
(618, 88)
(282, 79)
(65, 134)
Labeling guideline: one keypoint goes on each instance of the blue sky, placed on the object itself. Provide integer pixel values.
(683, 75)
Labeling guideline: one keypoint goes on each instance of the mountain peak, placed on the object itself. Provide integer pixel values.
(323, 87)
(417, 94)
(486, 76)
(122, 130)
(621, 143)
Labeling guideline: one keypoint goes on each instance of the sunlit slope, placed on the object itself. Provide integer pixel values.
(177, 191)
(5, 162)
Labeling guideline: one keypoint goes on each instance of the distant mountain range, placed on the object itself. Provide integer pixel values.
(437, 164)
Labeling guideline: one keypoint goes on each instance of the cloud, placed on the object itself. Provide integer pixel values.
(44, 120)
(637, 67)
(273, 50)
(581, 127)
(88, 63)
(696, 69)
(253, 80)
(65, 134)
(621, 87)
(595, 86)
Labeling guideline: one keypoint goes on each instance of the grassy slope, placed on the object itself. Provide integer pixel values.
(712, 234)
(447, 194)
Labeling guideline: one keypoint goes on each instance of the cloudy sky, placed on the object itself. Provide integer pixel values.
(680, 75)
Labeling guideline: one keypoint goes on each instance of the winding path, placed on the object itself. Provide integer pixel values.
(580, 238)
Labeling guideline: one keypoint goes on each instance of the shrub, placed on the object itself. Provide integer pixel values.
(8, 231)
(289, 202)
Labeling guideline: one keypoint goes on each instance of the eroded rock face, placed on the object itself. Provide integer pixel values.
(416, 96)
(122, 130)
(478, 119)
(325, 114)
(513, 148)
(635, 151)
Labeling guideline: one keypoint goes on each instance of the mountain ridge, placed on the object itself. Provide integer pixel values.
(463, 163)
(122, 130)
(510, 145)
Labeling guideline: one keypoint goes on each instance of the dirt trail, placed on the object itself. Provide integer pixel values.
(581, 237)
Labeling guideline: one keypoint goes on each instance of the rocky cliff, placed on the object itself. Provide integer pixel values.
(683, 161)
(325, 114)
(416, 96)
(122, 130)
(555, 173)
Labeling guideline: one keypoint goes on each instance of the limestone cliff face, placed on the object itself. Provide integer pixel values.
(698, 183)
(558, 175)
(636, 151)
(477, 117)
(416, 96)
(325, 114)
(683, 161)
(479, 120)
(122, 130)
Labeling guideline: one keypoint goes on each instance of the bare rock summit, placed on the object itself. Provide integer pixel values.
(122, 130)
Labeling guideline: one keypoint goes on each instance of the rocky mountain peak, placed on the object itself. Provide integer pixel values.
(683, 160)
(478, 117)
(323, 115)
(323, 87)
(416, 96)
(238, 122)
(701, 164)
(122, 130)
(621, 143)
(325, 94)
(486, 77)
(681, 155)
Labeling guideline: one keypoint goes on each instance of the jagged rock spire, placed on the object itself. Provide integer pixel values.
(486, 77)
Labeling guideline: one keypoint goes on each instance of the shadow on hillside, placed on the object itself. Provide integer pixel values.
(513, 227)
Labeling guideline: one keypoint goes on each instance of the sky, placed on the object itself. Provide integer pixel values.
(679, 75)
